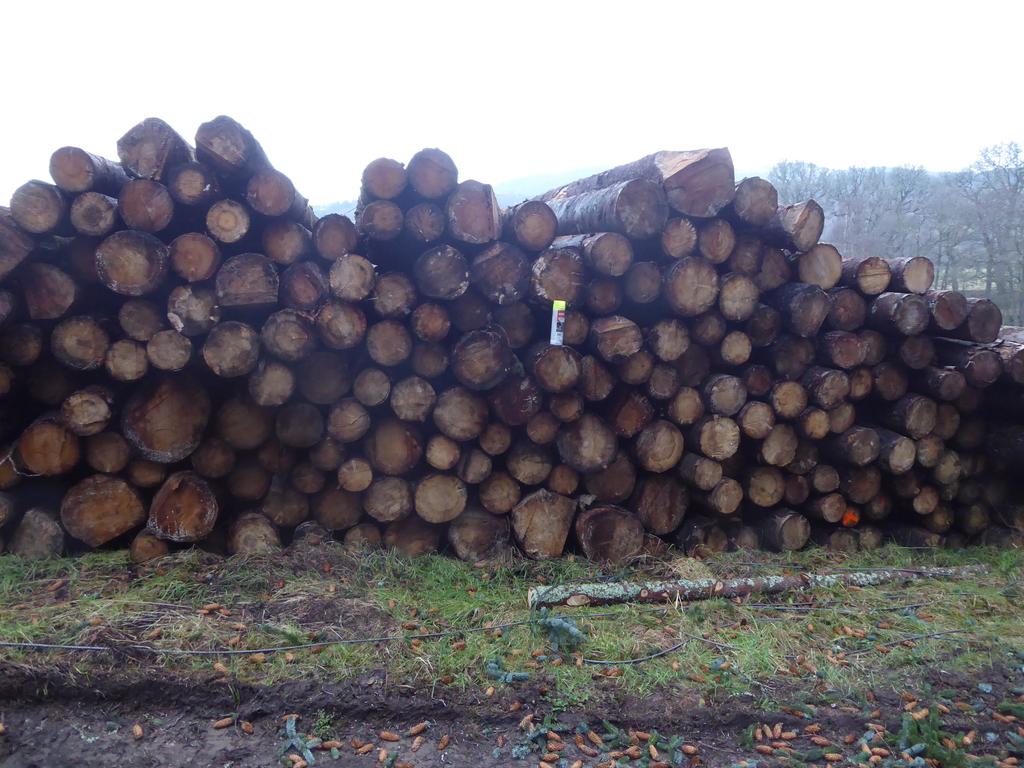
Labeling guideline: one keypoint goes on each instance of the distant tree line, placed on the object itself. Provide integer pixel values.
(970, 223)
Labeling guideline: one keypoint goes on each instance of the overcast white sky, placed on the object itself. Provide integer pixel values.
(517, 88)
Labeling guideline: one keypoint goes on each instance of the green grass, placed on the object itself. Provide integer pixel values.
(757, 648)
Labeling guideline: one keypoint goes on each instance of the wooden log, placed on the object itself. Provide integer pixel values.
(659, 446)
(499, 493)
(716, 240)
(541, 523)
(477, 536)
(724, 394)
(916, 352)
(107, 452)
(213, 459)
(47, 291)
(905, 314)
(982, 324)
(429, 360)
(303, 286)
(184, 509)
(192, 310)
(754, 204)
(603, 295)
(87, 411)
(636, 208)
(94, 214)
(897, 453)
(131, 263)
(615, 483)
(587, 444)
(168, 351)
(146, 546)
(636, 369)
(100, 508)
(841, 349)
(756, 419)
(912, 275)
(785, 531)
(473, 214)
(678, 238)
(145, 205)
(723, 499)
(459, 414)
(231, 349)
(38, 535)
(514, 402)
(192, 184)
(554, 368)
(788, 399)
(440, 498)
(691, 286)
(388, 343)
(697, 183)
(334, 236)
(803, 307)
(388, 499)
(251, 533)
(699, 472)
(40, 208)
(228, 147)
(341, 325)
(148, 150)
(516, 320)
(80, 343)
(424, 224)
(629, 412)
(821, 265)
(609, 534)
(474, 466)
(940, 383)
(912, 415)
(432, 174)
(773, 269)
(826, 387)
(763, 326)
(716, 437)
(663, 382)
(531, 225)
(796, 227)
(481, 359)
(165, 419)
(738, 297)
(15, 244)
(501, 272)
(849, 310)
(735, 349)
(890, 381)
(412, 536)
(394, 295)
(858, 446)
(948, 309)
(75, 170)
(557, 274)
(764, 486)
(779, 448)
(870, 275)
(194, 257)
(875, 346)
(615, 338)
(47, 447)
(323, 377)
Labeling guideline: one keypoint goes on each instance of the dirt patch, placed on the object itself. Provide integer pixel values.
(53, 719)
(348, 617)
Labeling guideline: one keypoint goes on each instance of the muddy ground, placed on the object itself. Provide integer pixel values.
(55, 719)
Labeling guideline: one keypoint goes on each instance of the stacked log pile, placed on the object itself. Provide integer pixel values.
(187, 354)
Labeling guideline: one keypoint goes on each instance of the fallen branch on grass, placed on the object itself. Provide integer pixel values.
(705, 589)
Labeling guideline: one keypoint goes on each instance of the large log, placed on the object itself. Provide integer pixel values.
(75, 170)
(477, 536)
(691, 286)
(541, 523)
(165, 419)
(785, 531)
(587, 444)
(697, 183)
(914, 274)
(609, 534)
(149, 149)
(531, 225)
(184, 509)
(796, 227)
(100, 508)
(635, 208)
